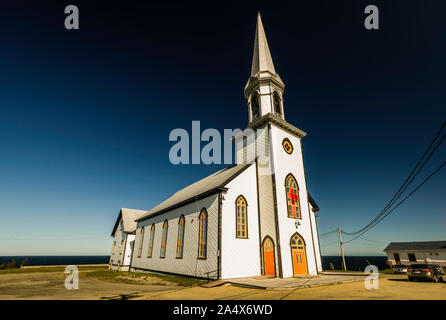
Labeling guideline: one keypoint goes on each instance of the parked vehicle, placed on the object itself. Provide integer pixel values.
(399, 268)
(432, 272)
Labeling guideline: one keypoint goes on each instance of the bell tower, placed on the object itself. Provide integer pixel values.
(264, 89)
(285, 210)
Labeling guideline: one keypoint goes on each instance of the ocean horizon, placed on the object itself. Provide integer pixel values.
(354, 263)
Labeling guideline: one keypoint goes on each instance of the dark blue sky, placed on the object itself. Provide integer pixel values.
(85, 115)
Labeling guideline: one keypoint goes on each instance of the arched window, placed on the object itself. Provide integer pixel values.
(255, 108)
(121, 247)
(152, 235)
(292, 196)
(141, 237)
(241, 218)
(180, 241)
(276, 100)
(296, 242)
(202, 236)
(164, 240)
(114, 247)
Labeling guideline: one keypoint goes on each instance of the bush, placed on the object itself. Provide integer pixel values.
(11, 264)
(25, 261)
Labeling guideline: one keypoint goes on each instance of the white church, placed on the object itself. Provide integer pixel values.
(251, 219)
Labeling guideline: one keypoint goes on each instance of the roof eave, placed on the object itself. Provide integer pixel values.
(183, 203)
(313, 203)
(117, 222)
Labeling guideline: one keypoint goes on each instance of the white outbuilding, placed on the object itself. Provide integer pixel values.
(407, 253)
(123, 238)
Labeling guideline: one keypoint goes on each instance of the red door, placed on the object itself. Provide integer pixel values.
(298, 255)
(268, 257)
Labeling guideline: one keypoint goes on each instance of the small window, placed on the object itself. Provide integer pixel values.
(276, 100)
(180, 241)
(152, 235)
(255, 109)
(412, 257)
(141, 237)
(287, 146)
(241, 216)
(164, 240)
(202, 236)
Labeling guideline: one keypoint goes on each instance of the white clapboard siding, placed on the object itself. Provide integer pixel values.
(190, 264)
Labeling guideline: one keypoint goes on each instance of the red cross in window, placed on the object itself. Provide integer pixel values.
(292, 196)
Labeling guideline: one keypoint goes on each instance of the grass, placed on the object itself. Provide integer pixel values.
(385, 271)
(342, 271)
(50, 269)
(133, 277)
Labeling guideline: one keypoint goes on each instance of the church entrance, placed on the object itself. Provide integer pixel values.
(268, 256)
(298, 255)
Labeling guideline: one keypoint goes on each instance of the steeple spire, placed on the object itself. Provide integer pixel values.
(264, 89)
(261, 60)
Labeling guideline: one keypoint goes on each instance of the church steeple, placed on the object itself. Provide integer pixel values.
(264, 89)
(261, 60)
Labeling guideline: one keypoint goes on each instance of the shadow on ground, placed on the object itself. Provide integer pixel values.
(123, 296)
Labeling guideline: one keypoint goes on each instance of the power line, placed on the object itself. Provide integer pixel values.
(401, 202)
(327, 244)
(373, 241)
(415, 171)
(326, 233)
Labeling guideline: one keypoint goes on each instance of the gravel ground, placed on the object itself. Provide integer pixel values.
(51, 286)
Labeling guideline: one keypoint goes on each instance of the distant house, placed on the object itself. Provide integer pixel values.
(417, 252)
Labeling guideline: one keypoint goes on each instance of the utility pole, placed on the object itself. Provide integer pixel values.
(342, 250)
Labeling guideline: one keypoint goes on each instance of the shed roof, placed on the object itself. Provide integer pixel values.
(129, 217)
(421, 245)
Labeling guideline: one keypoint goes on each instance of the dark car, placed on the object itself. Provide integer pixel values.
(432, 272)
(400, 268)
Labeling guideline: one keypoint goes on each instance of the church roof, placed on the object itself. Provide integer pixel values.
(198, 190)
(261, 60)
(273, 118)
(129, 217)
